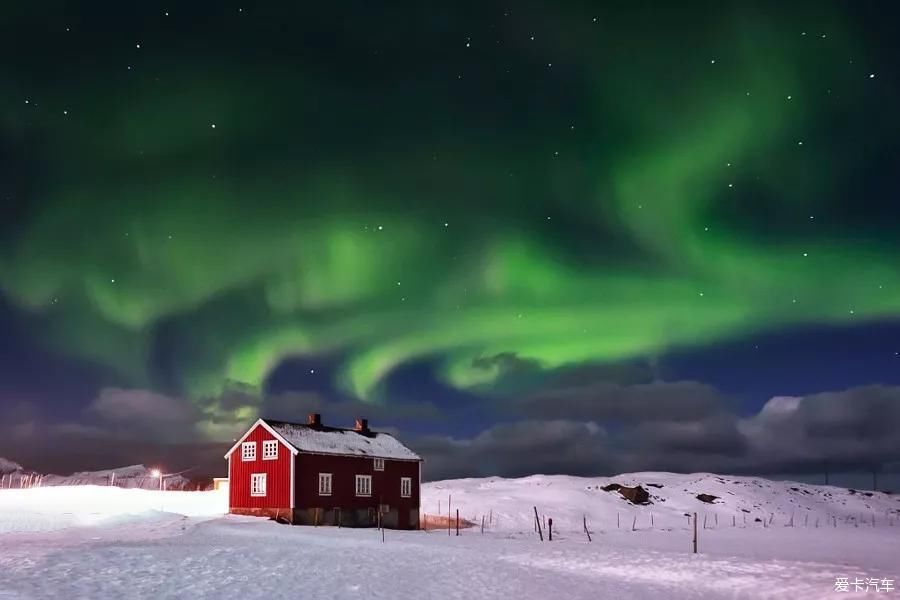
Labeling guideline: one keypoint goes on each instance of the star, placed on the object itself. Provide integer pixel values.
(446, 224)
(112, 280)
(213, 125)
(380, 227)
(138, 46)
(788, 97)
(312, 371)
(805, 254)
(871, 75)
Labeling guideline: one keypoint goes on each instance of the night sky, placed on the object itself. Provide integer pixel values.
(565, 237)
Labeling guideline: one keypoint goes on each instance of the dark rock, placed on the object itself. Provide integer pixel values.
(635, 495)
(708, 498)
(656, 485)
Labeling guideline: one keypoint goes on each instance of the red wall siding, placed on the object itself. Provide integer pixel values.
(278, 475)
(344, 469)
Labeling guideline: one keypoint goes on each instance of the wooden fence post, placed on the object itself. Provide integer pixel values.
(482, 524)
(457, 521)
(618, 522)
(550, 529)
(584, 522)
(449, 515)
(537, 521)
(695, 533)
(634, 523)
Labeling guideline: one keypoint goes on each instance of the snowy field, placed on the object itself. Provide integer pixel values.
(103, 542)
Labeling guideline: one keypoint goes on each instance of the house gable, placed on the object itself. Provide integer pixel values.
(267, 427)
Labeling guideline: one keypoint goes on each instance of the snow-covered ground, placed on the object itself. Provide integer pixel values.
(103, 542)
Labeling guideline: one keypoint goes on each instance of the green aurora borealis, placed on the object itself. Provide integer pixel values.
(233, 193)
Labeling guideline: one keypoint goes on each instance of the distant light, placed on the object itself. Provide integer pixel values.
(155, 473)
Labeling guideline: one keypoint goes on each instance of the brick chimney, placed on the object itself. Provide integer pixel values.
(314, 419)
(362, 426)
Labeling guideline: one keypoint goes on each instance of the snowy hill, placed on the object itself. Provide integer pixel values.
(8, 466)
(731, 501)
(13, 475)
(134, 476)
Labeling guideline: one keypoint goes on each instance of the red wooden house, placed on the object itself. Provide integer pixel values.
(312, 474)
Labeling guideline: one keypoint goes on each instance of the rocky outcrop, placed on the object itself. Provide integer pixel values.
(635, 495)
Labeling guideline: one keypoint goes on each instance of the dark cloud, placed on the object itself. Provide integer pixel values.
(145, 414)
(661, 401)
(854, 430)
(600, 428)
(295, 406)
(517, 449)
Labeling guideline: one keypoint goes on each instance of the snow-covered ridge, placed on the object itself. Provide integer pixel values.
(739, 501)
(8, 466)
(13, 475)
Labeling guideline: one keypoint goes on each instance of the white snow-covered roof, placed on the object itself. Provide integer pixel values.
(331, 440)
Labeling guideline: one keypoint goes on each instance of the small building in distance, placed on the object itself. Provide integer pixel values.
(311, 474)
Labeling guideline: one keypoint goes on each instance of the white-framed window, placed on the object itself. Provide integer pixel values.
(248, 451)
(363, 485)
(324, 484)
(379, 464)
(270, 450)
(405, 487)
(257, 484)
